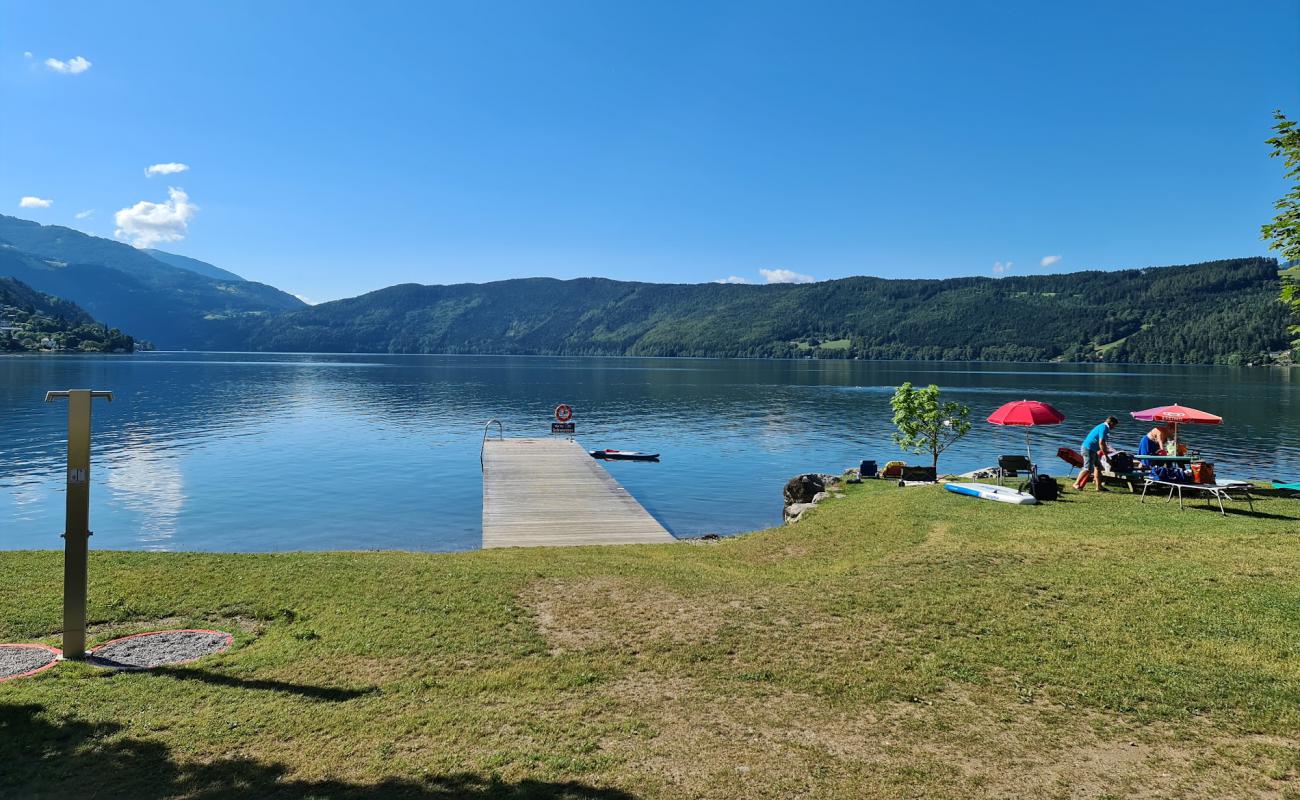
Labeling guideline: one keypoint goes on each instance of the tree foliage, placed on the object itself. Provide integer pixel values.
(30, 320)
(1283, 233)
(926, 423)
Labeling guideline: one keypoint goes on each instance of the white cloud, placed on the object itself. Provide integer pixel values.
(1002, 267)
(1049, 261)
(73, 66)
(306, 300)
(146, 224)
(29, 201)
(733, 279)
(169, 168)
(27, 54)
(785, 276)
(87, 214)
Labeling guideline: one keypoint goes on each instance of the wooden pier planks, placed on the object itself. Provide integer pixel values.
(551, 492)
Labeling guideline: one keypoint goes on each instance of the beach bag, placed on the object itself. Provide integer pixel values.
(1202, 472)
(1167, 474)
(1121, 462)
(918, 474)
(1045, 488)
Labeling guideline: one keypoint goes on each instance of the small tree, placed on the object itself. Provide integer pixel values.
(926, 424)
(1283, 233)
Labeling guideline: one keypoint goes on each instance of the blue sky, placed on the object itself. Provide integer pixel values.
(335, 148)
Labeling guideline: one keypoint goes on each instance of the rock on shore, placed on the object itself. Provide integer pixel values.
(802, 492)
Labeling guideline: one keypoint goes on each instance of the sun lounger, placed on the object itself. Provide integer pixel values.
(1290, 487)
(1220, 491)
(1071, 457)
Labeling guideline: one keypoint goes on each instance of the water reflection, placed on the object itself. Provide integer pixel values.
(263, 452)
(149, 484)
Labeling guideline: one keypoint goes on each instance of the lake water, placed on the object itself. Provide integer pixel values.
(255, 452)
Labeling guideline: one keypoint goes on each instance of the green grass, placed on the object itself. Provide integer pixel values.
(829, 344)
(835, 344)
(897, 642)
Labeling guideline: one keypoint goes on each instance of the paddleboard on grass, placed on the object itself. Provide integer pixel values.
(987, 491)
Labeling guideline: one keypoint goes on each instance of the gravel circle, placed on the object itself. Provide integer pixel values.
(17, 660)
(149, 650)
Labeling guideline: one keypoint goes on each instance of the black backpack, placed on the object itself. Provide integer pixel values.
(1121, 462)
(1044, 488)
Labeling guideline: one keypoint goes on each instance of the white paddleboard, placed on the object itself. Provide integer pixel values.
(987, 491)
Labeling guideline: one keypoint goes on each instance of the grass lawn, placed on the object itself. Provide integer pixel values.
(894, 643)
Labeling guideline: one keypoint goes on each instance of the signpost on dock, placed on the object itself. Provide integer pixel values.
(564, 420)
(76, 530)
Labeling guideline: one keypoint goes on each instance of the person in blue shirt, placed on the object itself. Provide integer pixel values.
(1095, 445)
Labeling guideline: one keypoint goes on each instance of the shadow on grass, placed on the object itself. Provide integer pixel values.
(50, 757)
(325, 693)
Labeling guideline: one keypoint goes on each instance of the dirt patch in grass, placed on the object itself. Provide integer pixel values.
(602, 613)
(791, 551)
(961, 743)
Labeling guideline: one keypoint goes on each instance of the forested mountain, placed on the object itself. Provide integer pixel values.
(124, 287)
(1217, 312)
(31, 320)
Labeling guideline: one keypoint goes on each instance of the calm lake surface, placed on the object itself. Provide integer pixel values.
(256, 452)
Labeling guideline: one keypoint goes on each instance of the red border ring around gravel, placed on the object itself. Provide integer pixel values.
(57, 655)
(230, 639)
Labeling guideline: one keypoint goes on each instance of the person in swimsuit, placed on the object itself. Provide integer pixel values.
(1154, 443)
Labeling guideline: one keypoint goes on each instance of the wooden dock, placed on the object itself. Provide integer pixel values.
(551, 492)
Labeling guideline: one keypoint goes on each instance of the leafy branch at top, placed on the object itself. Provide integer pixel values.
(1283, 233)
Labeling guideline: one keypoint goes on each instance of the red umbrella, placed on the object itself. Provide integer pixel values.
(1177, 415)
(1027, 413)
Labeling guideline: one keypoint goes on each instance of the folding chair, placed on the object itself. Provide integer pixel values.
(1012, 466)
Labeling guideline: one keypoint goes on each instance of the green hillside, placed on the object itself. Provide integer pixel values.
(30, 321)
(174, 306)
(1217, 312)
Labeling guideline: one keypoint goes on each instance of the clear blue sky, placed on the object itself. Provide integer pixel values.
(335, 148)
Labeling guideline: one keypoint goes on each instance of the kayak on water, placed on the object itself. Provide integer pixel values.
(624, 455)
(987, 491)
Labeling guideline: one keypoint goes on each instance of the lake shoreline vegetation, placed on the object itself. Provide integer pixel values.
(34, 322)
(895, 642)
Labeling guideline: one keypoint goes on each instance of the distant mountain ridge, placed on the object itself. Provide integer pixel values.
(1217, 312)
(194, 265)
(174, 306)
